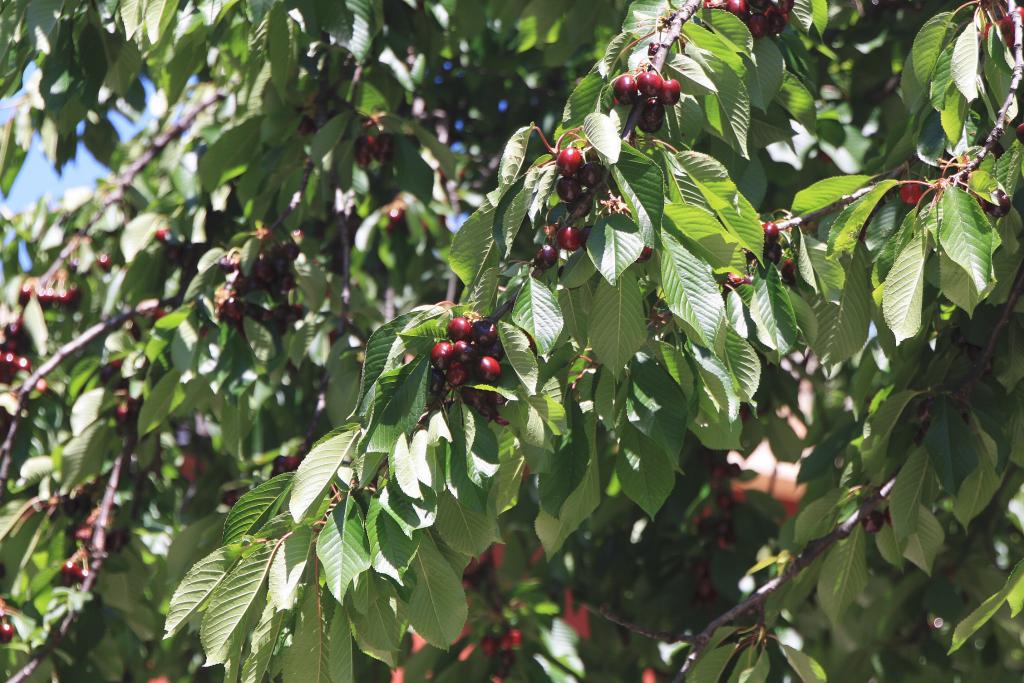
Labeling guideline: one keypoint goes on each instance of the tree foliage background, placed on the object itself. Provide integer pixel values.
(223, 456)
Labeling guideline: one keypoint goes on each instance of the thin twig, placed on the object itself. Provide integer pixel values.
(98, 554)
(69, 349)
(811, 552)
(127, 177)
(662, 636)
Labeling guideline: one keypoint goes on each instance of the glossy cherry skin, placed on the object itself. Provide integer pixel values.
(6, 633)
(457, 374)
(624, 88)
(670, 92)
(590, 174)
(546, 257)
(459, 328)
(737, 7)
(569, 238)
(485, 332)
(569, 161)
(489, 369)
(568, 189)
(911, 194)
(645, 255)
(771, 232)
(441, 354)
(464, 351)
(649, 83)
(758, 25)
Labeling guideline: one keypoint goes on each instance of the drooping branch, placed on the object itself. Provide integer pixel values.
(124, 180)
(663, 636)
(97, 556)
(811, 552)
(98, 330)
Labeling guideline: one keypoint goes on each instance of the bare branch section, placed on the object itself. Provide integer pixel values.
(127, 177)
(583, 205)
(98, 330)
(98, 554)
(663, 636)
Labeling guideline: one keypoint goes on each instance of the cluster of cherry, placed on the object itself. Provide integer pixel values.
(651, 90)
(471, 352)
(370, 148)
(1005, 25)
(762, 17)
(503, 645)
(11, 362)
(74, 570)
(272, 272)
(49, 295)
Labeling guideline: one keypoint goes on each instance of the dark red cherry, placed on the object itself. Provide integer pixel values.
(645, 255)
(457, 374)
(670, 92)
(1020, 132)
(104, 262)
(459, 328)
(737, 7)
(758, 25)
(568, 189)
(441, 354)
(162, 234)
(649, 83)
(485, 332)
(777, 20)
(788, 272)
(569, 161)
(911, 194)
(569, 238)
(771, 231)
(546, 257)
(6, 633)
(590, 174)
(489, 369)
(463, 351)
(625, 89)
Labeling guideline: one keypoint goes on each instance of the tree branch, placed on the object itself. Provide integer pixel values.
(127, 177)
(663, 636)
(811, 552)
(25, 389)
(98, 554)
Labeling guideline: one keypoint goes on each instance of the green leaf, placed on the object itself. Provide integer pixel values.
(306, 659)
(620, 329)
(843, 327)
(157, 403)
(232, 601)
(330, 454)
(391, 548)
(200, 581)
(967, 237)
(601, 133)
(280, 49)
(614, 245)
(229, 156)
(951, 444)
(437, 607)
(903, 290)
(520, 357)
(84, 454)
(728, 110)
(287, 568)
(585, 99)
(257, 506)
(965, 62)
(473, 244)
(808, 670)
(467, 531)
(924, 55)
(773, 312)
(536, 311)
(264, 638)
(692, 293)
(844, 235)
(512, 157)
(645, 472)
(641, 183)
(976, 492)
(824, 192)
(720, 192)
(924, 544)
(798, 102)
(343, 548)
(553, 531)
(980, 616)
(844, 574)
(401, 395)
(907, 493)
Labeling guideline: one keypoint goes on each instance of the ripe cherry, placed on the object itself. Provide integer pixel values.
(489, 645)
(485, 332)
(569, 238)
(71, 571)
(515, 638)
(773, 252)
(463, 351)
(568, 189)
(436, 381)
(546, 257)
(104, 262)
(590, 174)
(162, 234)
(670, 92)
(645, 255)
(6, 633)
(758, 25)
(459, 328)
(649, 83)
(777, 20)
(1020, 132)
(737, 7)
(771, 232)
(911, 193)
(441, 354)
(625, 89)
(457, 374)
(873, 522)
(568, 161)
(122, 412)
(489, 369)
(788, 272)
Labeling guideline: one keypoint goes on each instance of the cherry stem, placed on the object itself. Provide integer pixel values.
(544, 139)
